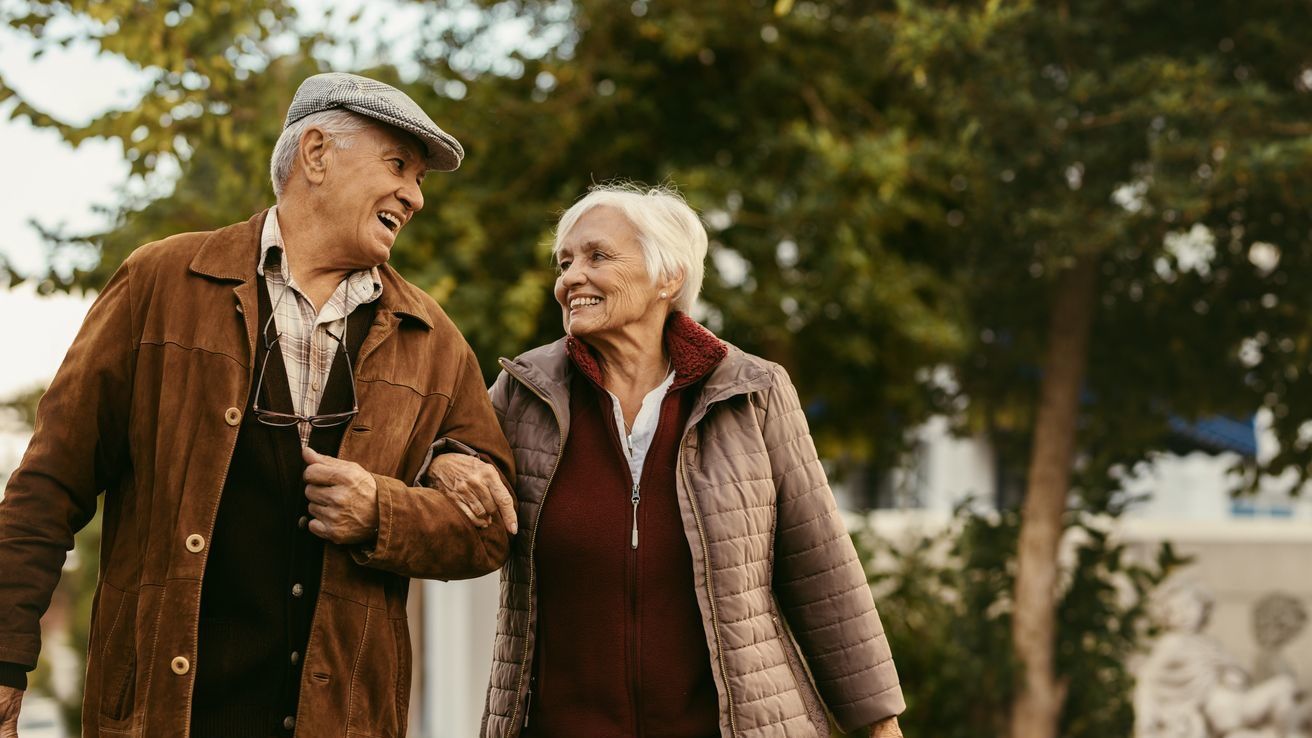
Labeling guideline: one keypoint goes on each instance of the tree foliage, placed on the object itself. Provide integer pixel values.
(1167, 140)
(891, 187)
(946, 605)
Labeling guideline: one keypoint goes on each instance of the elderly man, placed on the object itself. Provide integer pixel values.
(250, 401)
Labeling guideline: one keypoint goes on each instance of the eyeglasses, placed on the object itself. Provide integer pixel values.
(284, 420)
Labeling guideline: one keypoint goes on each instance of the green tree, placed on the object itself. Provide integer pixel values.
(816, 199)
(946, 607)
(1092, 213)
(1134, 237)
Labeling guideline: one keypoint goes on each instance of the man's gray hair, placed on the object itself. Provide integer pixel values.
(672, 237)
(338, 125)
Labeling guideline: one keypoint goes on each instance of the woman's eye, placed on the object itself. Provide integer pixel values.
(598, 256)
(399, 164)
(562, 266)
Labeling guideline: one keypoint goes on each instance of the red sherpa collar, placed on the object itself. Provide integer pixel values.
(694, 351)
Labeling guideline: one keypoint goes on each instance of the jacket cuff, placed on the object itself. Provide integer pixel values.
(13, 675)
(873, 710)
(442, 446)
(379, 549)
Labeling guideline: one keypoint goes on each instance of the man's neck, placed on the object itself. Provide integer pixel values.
(312, 263)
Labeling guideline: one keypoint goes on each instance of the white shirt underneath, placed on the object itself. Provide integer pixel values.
(637, 442)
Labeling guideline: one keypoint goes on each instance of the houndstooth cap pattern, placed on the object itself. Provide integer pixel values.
(381, 102)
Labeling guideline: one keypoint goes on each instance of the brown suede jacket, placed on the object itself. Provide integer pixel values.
(146, 409)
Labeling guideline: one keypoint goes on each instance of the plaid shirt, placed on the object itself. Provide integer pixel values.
(307, 347)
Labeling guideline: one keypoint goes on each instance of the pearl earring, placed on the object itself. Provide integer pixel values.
(664, 295)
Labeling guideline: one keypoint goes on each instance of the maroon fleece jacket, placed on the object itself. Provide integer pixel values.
(621, 649)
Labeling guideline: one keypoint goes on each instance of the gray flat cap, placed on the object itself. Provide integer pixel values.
(381, 102)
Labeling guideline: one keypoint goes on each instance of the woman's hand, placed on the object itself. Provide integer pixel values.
(474, 486)
(886, 728)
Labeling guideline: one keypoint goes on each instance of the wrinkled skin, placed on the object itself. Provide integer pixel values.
(10, 700)
(886, 729)
(474, 486)
(343, 499)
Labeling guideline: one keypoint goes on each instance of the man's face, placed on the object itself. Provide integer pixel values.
(369, 192)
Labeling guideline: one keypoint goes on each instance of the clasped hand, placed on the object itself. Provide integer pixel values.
(474, 486)
(343, 499)
(343, 496)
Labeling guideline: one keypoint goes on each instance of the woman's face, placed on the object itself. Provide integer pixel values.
(602, 284)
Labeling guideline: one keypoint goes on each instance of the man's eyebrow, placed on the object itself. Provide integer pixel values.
(405, 150)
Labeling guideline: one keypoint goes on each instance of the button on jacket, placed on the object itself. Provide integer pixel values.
(146, 408)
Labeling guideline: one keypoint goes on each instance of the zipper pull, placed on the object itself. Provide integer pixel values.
(528, 699)
(633, 541)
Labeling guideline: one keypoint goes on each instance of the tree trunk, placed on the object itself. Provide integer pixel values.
(1037, 709)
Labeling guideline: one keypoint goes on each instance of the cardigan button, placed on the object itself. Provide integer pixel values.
(195, 543)
(289, 722)
(232, 416)
(297, 590)
(180, 665)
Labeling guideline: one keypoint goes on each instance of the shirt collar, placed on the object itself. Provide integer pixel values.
(365, 285)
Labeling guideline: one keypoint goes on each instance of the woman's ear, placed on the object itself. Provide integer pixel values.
(313, 156)
(669, 289)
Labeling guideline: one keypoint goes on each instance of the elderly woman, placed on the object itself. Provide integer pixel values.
(682, 569)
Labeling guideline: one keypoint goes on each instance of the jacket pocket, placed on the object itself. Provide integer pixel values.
(801, 677)
(375, 702)
(118, 655)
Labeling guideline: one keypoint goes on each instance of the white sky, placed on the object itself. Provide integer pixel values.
(46, 180)
(55, 184)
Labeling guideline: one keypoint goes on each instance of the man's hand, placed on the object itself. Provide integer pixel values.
(10, 700)
(474, 486)
(343, 499)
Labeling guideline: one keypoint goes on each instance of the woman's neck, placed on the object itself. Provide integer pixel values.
(632, 364)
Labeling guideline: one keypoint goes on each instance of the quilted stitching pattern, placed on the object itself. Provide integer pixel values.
(778, 554)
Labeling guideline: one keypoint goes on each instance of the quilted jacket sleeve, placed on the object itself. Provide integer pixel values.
(818, 579)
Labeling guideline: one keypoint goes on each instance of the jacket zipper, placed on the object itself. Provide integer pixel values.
(528, 698)
(532, 545)
(635, 690)
(710, 587)
(634, 652)
(635, 498)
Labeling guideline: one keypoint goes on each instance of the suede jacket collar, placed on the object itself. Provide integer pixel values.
(231, 254)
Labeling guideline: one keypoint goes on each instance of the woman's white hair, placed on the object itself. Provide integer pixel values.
(672, 237)
(338, 125)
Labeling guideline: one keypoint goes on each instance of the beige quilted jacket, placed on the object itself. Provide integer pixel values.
(778, 573)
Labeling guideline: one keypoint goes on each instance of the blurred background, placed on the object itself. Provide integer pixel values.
(1041, 271)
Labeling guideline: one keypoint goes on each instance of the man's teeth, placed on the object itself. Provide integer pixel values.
(389, 220)
(579, 302)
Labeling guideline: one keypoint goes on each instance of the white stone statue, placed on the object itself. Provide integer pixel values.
(1190, 687)
(1278, 618)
